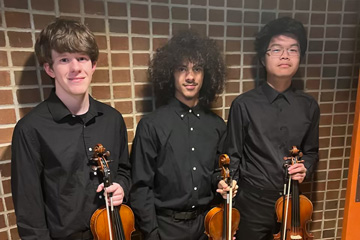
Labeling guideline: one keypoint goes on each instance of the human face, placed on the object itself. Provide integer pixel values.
(285, 65)
(188, 81)
(72, 73)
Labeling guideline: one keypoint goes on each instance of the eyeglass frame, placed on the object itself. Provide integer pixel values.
(282, 50)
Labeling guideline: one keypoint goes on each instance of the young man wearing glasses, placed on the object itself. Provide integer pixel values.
(265, 123)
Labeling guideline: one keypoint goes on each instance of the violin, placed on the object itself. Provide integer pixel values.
(110, 222)
(293, 211)
(222, 222)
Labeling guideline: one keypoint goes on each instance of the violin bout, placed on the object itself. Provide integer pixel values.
(297, 230)
(214, 223)
(99, 223)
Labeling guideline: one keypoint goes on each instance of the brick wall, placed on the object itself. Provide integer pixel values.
(129, 31)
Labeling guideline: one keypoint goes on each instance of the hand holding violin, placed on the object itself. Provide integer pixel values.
(116, 190)
(223, 188)
(297, 172)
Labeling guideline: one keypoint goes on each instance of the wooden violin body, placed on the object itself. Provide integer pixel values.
(98, 223)
(305, 213)
(214, 222)
(110, 222)
(222, 222)
(294, 211)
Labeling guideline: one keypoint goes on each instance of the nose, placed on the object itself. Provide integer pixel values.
(189, 74)
(75, 65)
(284, 54)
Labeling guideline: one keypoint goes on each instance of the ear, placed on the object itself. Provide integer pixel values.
(94, 66)
(262, 60)
(49, 70)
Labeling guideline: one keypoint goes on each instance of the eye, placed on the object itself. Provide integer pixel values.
(294, 50)
(83, 59)
(181, 69)
(198, 69)
(276, 49)
(64, 60)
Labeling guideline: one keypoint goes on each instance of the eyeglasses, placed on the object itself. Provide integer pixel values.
(277, 51)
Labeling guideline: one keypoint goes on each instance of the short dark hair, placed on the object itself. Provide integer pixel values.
(188, 46)
(284, 25)
(65, 35)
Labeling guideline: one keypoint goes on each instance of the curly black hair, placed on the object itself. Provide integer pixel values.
(187, 46)
(283, 25)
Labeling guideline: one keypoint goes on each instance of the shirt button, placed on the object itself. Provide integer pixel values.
(198, 115)
(190, 110)
(73, 115)
(191, 129)
(195, 188)
(192, 206)
(182, 115)
(194, 168)
(90, 149)
(192, 149)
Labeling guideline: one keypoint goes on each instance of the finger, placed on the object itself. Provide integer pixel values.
(297, 170)
(118, 200)
(100, 187)
(222, 184)
(222, 193)
(297, 165)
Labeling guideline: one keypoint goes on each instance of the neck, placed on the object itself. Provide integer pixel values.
(279, 84)
(189, 102)
(77, 105)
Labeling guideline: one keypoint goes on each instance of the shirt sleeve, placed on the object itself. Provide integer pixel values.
(234, 141)
(26, 172)
(216, 177)
(310, 143)
(123, 176)
(143, 161)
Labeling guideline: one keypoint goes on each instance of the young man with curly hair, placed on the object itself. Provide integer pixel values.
(175, 149)
(265, 123)
(55, 190)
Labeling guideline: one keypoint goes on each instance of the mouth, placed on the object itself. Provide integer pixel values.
(284, 65)
(190, 86)
(76, 79)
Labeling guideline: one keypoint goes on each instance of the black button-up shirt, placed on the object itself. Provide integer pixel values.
(53, 189)
(263, 126)
(173, 159)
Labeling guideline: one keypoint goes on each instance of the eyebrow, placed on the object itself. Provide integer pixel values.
(292, 45)
(195, 65)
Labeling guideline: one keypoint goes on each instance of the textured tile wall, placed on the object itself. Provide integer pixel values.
(128, 32)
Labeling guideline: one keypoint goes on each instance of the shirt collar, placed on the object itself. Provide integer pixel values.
(59, 111)
(271, 94)
(182, 109)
